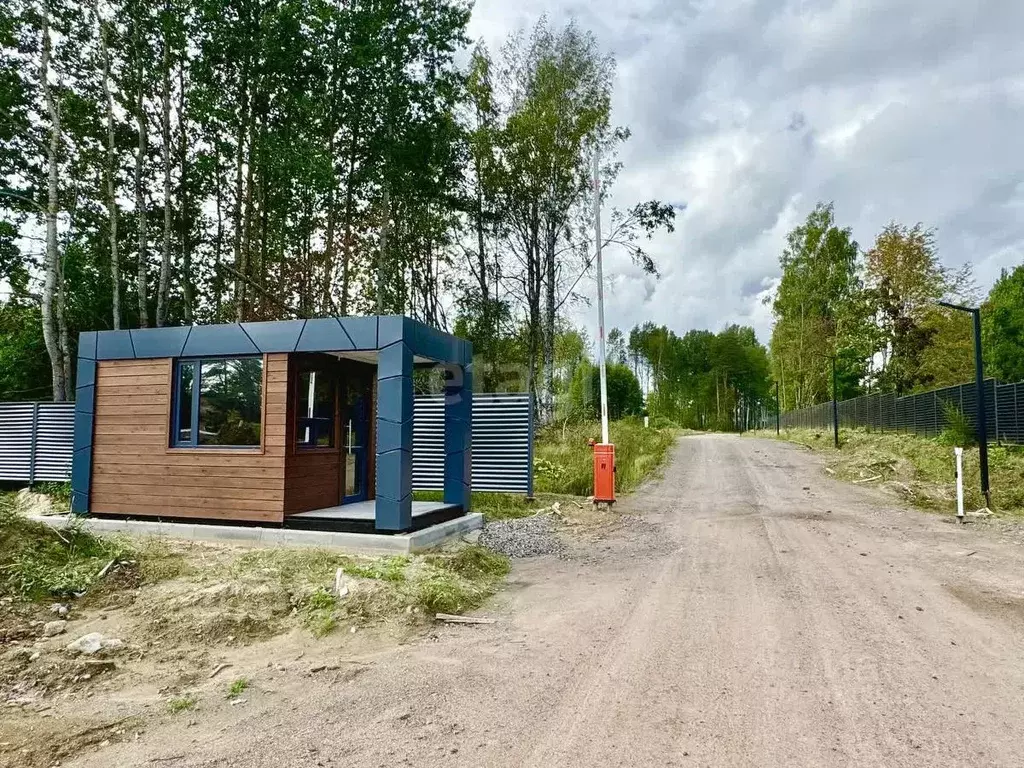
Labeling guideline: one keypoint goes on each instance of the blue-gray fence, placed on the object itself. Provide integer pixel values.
(36, 442)
(923, 413)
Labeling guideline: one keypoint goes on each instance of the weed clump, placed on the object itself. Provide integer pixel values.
(184, 703)
(38, 562)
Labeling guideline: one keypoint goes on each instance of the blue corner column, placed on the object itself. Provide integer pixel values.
(458, 432)
(394, 438)
(85, 401)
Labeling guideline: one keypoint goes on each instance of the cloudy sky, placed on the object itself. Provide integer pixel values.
(750, 111)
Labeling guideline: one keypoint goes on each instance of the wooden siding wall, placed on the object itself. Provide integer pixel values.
(136, 473)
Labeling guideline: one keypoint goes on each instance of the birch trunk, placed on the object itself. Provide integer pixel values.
(140, 190)
(165, 128)
(187, 282)
(50, 304)
(115, 265)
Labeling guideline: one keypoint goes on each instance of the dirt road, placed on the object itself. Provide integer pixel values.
(757, 614)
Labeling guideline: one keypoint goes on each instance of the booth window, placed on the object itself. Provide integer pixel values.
(218, 403)
(314, 413)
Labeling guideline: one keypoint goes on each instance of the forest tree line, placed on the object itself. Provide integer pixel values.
(166, 162)
(877, 313)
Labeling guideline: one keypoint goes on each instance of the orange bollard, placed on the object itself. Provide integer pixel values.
(604, 473)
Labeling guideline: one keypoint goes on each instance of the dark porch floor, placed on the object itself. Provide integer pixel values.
(359, 516)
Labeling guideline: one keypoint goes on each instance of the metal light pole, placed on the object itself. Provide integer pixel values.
(979, 385)
(835, 405)
(778, 411)
(600, 299)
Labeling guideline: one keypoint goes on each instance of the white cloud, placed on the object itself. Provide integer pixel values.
(750, 111)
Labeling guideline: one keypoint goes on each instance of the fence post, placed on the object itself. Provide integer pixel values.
(995, 407)
(529, 452)
(32, 445)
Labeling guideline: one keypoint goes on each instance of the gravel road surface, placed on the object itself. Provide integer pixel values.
(764, 615)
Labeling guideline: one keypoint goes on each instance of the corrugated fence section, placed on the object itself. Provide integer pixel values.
(502, 443)
(925, 412)
(36, 441)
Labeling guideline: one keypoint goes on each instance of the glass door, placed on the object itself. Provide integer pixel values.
(356, 434)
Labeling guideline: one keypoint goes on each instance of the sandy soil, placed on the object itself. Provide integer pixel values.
(757, 613)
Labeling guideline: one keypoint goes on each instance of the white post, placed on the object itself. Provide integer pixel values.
(959, 483)
(600, 299)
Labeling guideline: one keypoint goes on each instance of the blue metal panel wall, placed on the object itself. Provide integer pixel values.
(394, 438)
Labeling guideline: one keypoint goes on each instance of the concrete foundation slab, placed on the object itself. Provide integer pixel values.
(361, 543)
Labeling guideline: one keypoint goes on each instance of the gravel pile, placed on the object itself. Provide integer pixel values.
(523, 537)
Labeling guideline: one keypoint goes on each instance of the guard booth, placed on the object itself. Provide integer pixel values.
(305, 423)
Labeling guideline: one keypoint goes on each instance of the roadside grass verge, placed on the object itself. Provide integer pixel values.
(563, 466)
(564, 462)
(920, 469)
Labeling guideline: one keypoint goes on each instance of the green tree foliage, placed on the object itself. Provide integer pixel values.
(624, 395)
(879, 315)
(818, 309)
(703, 380)
(213, 160)
(917, 342)
(1003, 327)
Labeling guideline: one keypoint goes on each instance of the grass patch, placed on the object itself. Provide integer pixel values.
(459, 580)
(564, 461)
(185, 703)
(318, 612)
(493, 506)
(38, 562)
(921, 469)
(383, 569)
(238, 687)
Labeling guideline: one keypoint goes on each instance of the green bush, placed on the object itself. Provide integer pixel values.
(959, 430)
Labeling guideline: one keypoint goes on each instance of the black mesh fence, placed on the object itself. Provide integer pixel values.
(923, 413)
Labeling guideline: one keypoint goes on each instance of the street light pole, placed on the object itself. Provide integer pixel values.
(778, 411)
(835, 405)
(603, 373)
(979, 386)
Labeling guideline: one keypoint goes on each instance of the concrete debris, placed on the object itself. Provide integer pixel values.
(473, 537)
(93, 643)
(342, 584)
(54, 628)
(60, 609)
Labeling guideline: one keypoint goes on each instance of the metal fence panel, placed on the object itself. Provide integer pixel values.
(924, 413)
(55, 428)
(16, 440)
(502, 443)
(37, 439)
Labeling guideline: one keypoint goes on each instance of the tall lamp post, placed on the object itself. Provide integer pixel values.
(778, 411)
(979, 385)
(835, 404)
